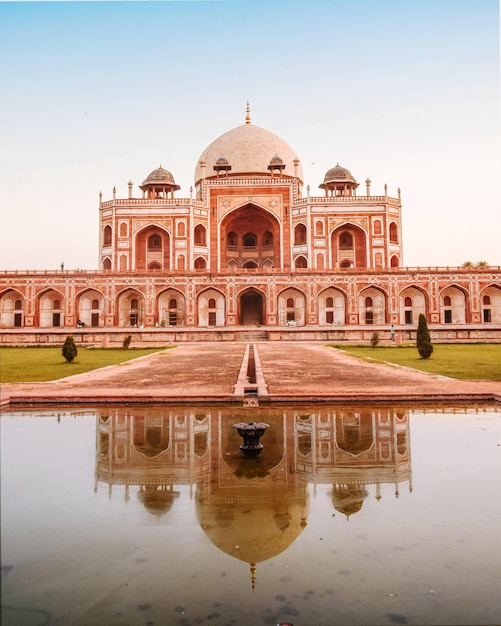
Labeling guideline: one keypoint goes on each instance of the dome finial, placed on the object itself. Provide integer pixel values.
(253, 575)
(247, 117)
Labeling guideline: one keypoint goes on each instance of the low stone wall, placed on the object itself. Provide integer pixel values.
(99, 337)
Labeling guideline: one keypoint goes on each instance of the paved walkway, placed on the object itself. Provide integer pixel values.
(208, 372)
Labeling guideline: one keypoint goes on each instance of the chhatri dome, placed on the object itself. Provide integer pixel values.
(160, 176)
(248, 149)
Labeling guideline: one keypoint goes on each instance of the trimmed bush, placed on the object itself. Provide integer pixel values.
(374, 339)
(423, 339)
(126, 342)
(69, 350)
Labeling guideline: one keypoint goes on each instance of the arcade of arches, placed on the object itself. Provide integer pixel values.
(251, 306)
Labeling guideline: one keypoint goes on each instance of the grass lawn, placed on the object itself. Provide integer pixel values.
(29, 365)
(467, 361)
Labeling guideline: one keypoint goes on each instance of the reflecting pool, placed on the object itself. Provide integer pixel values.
(151, 516)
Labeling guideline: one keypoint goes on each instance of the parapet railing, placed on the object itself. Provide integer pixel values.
(153, 202)
(303, 201)
(267, 271)
(296, 203)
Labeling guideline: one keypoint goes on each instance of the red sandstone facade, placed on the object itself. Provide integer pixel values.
(250, 247)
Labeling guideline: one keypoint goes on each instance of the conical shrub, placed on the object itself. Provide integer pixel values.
(423, 339)
(69, 350)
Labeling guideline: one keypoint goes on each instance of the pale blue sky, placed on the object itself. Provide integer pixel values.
(404, 92)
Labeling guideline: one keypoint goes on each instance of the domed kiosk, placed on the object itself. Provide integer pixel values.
(158, 184)
(339, 182)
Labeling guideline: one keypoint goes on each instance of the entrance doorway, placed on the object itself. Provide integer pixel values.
(251, 309)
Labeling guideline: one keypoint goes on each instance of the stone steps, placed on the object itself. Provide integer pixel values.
(252, 335)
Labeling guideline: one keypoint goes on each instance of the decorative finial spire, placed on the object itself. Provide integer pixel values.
(253, 575)
(247, 117)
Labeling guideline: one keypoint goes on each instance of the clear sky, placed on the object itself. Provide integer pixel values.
(94, 94)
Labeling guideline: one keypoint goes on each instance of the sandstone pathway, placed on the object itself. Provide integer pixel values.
(208, 372)
(316, 370)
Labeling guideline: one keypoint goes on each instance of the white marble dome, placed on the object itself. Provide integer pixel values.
(248, 149)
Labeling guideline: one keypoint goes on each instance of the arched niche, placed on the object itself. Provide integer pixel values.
(171, 308)
(251, 234)
(130, 308)
(490, 302)
(12, 306)
(349, 246)
(331, 307)
(453, 305)
(251, 307)
(412, 302)
(152, 248)
(49, 306)
(90, 308)
(211, 308)
(372, 304)
(291, 308)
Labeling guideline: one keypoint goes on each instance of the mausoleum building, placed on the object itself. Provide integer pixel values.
(250, 247)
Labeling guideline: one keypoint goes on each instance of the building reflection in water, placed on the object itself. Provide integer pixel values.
(252, 509)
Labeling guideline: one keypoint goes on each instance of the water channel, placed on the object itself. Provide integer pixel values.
(150, 516)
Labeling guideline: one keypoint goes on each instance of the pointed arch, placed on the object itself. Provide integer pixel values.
(490, 299)
(12, 306)
(200, 235)
(90, 307)
(130, 308)
(250, 265)
(412, 302)
(181, 262)
(393, 233)
(300, 262)
(152, 246)
(251, 233)
(373, 306)
(171, 305)
(453, 305)
(291, 307)
(300, 234)
(151, 436)
(331, 306)
(107, 236)
(49, 307)
(251, 307)
(349, 246)
(354, 431)
(211, 308)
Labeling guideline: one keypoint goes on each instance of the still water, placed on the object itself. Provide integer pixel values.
(150, 516)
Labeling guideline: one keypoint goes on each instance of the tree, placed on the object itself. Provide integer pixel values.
(69, 350)
(423, 339)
